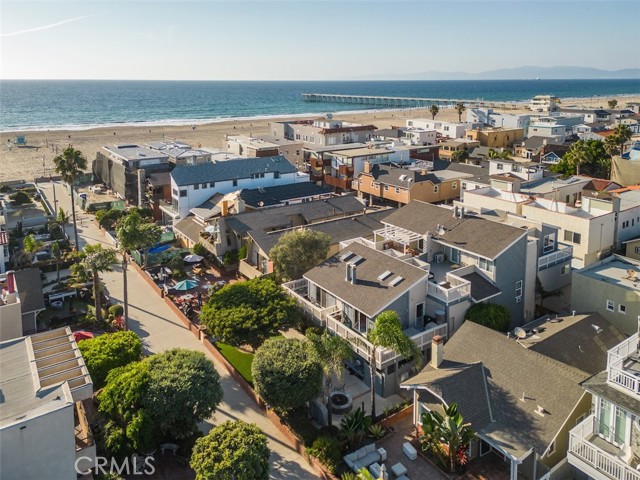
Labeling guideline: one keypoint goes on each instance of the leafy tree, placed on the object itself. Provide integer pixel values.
(448, 437)
(234, 450)
(612, 103)
(184, 389)
(31, 246)
(56, 253)
(106, 352)
(166, 394)
(284, 373)
(133, 233)
(460, 156)
(328, 451)
(584, 156)
(248, 313)
(434, 110)
(490, 315)
(70, 165)
(107, 219)
(299, 251)
(460, 108)
(387, 333)
(96, 259)
(331, 351)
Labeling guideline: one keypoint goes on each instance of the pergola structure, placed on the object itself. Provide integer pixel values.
(400, 235)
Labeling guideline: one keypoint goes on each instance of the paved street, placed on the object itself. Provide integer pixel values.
(160, 329)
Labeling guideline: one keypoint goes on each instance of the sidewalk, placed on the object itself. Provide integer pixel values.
(160, 329)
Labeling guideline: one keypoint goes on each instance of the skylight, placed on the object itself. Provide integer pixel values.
(384, 275)
(346, 255)
(395, 281)
(357, 259)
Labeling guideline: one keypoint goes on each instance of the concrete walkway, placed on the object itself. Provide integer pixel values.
(160, 329)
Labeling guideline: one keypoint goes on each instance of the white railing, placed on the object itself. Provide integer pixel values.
(563, 253)
(616, 373)
(450, 294)
(582, 450)
(360, 344)
(421, 339)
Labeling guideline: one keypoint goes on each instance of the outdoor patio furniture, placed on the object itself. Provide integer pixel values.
(402, 477)
(57, 305)
(383, 454)
(362, 457)
(409, 451)
(378, 471)
(399, 469)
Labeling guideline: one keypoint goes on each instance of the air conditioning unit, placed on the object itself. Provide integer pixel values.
(439, 257)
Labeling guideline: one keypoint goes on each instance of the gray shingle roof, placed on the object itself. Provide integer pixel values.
(291, 215)
(389, 175)
(270, 196)
(230, 170)
(190, 228)
(471, 233)
(511, 371)
(369, 294)
(597, 385)
(481, 289)
(30, 290)
(339, 230)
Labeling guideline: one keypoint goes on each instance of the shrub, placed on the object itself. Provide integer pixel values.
(328, 451)
(490, 315)
(20, 198)
(199, 249)
(106, 352)
(178, 274)
(116, 310)
(242, 253)
(231, 257)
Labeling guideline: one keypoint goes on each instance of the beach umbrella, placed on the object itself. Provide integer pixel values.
(211, 229)
(186, 285)
(82, 335)
(193, 258)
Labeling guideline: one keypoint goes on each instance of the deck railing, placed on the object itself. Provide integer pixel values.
(564, 253)
(616, 372)
(582, 450)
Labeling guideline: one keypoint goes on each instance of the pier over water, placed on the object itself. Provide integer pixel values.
(407, 102)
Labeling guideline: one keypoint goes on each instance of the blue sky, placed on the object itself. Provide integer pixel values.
(301, 39)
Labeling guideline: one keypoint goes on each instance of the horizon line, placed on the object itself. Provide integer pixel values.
(310, 80)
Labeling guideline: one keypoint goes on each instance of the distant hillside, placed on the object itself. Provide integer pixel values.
(519, 73)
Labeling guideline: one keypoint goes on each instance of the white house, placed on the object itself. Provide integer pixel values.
(193, 185)
(544, 103)
(490, 118)
(446, 129)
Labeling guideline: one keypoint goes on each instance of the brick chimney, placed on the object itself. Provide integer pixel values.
(225, 208)
(367, 167)
(11, 281)
(437, 344)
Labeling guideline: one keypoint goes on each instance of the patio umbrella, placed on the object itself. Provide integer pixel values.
(186, 285)
(82, 335)
(211, 229)
(193, 258)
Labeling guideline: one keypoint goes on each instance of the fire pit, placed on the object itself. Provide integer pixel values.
(341, 403)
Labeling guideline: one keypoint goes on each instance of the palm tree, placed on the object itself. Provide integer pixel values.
(56, 253)
(70, 165)
(31, 246)
(331, 351)
(460, 108)
(134, 233)
(612, 103)
(95, 260)
(578, 154)
(623, 134)
(448, 437)
(387, 333)
(434, 110)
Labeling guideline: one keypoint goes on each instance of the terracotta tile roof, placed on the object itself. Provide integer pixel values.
(598, 184)
(626, 189)
(606, 133)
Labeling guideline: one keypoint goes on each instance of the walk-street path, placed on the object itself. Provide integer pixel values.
(160, 329)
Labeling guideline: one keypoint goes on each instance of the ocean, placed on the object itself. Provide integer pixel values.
(80, 104)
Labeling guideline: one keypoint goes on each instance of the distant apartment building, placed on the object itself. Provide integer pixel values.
(443, 129)
(347, 164)
(325, 131)
(449, 148)
(558, 128)
(487, 117)
(606, 443)
(181, 153)
(193, 185)
(44, 432)
(246, 146)
(402, 185)
(500, 137)
(610, 287)
(544, 103)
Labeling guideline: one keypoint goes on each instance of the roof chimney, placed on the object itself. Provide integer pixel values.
(367, 167)
(354, 277)
(347, 275)
(455, 212)
(437, 343)
(424, 171)
(225, 208)
(11, 281)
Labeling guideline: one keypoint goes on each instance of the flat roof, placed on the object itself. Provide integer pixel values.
(621, 271)
(135, 152)
(362, 152)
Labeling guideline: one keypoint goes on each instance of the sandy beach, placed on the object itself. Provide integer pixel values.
(36, 160)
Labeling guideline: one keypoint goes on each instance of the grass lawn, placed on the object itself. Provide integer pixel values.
(240, 360)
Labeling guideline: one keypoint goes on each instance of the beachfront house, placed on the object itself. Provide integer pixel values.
(323, 131)
(521, 394)
(443, 129)
(193, 185)
(496, 137)
(489, 118)
(44, 432)
(544, 103)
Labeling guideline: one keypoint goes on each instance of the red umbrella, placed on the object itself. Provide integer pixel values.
(82, 335)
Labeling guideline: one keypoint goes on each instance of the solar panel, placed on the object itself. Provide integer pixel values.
(346, 255)
(395, 281)
(384, 275)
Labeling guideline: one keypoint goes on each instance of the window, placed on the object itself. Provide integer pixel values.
(625, 224)
(549, 243)
(572, 237)
(175, 192)
(519, 288)
(212, 184)
(375, 185)
(204, 185)
(500, 166)
(610, 306)
(276, 174)
(622, 309)
(454, 186)
(183, 193)
(391, 368)
(436, 188)
(386, 188)
(397, 189)
(486, 265)
(565, 269)
(464, 185)
(196, 187)
(637, 249)
(235, 183)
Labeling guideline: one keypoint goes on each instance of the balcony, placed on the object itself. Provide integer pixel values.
(168, 208)
(248, 270)
(346, 170)
(341, 183)
(623, 366)
(561, 255)
(85, 446)
(596, 457)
